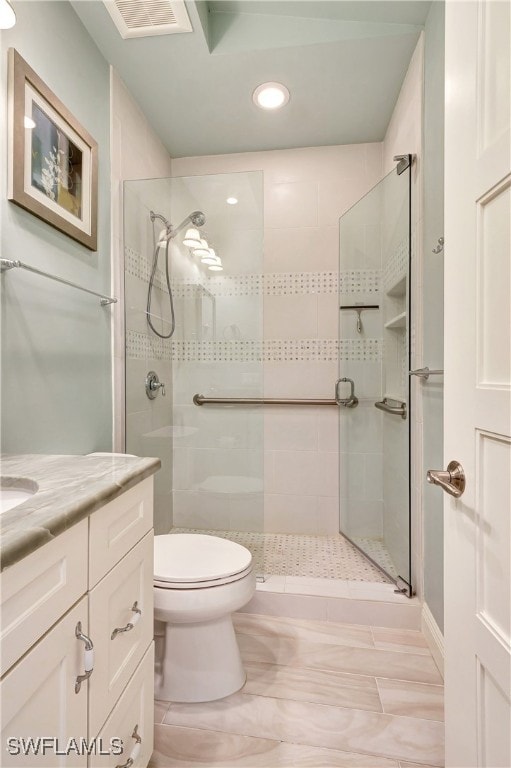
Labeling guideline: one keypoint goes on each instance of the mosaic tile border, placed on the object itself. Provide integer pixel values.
(142, 345)
(365, 281)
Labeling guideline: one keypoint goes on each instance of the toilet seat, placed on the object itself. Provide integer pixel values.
(198, 561)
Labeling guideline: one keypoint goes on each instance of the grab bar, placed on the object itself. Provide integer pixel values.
(201, 400)
(396, 410)
(6, 264)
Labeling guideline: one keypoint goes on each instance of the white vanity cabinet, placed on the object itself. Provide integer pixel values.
(95, 577)
(39, 700)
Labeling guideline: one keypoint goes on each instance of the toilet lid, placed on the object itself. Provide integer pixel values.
(194, 557)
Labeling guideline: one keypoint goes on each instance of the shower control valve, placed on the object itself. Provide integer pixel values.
(153, 385)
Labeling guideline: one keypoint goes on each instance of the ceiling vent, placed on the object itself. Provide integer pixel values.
(144, 18)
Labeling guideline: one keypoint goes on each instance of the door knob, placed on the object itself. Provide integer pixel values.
(452, 480)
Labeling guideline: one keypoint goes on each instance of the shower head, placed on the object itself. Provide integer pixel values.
(197, 218)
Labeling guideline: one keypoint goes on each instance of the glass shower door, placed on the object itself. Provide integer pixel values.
(374, 314)
(211, 480)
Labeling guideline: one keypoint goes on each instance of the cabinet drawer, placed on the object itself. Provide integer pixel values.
(38, 698)
(37, 590)
(110, 604)
(135, 709)
(116, 528)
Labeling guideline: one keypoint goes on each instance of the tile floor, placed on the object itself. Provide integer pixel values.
(324, 557)
(317, 695)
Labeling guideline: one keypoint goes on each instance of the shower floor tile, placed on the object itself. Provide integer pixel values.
(317, 557)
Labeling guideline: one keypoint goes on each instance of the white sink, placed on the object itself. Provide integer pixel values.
(14, 491)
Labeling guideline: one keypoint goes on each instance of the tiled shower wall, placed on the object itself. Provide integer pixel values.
(305, 193)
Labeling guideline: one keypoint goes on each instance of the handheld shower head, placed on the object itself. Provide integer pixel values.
(197, 218)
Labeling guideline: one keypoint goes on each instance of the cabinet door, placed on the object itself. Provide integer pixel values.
(116, 528)
(38, 590)
(110, 607)
(132, 721)
(38, 699)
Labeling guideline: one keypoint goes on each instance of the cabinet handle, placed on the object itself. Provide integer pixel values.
(137, 613)
(134, 752)
(88, 657)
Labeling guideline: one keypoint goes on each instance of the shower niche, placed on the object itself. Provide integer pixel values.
(374, 457)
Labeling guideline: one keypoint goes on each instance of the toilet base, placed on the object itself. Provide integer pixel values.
(198, 662)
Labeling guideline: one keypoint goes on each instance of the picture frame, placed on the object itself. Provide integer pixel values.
(53, 159)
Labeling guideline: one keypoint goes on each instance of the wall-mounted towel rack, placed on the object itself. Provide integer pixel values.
(201, 400)
(6, 264)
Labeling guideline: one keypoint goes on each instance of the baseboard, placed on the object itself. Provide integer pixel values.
(434, 637)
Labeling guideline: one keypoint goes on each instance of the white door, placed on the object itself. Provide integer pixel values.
(477, 383)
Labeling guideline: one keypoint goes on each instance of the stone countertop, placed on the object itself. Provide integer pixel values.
(70, 488)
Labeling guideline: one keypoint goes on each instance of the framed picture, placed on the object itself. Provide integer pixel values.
(53, 160)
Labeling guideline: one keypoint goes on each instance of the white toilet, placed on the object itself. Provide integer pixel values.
(199, 581)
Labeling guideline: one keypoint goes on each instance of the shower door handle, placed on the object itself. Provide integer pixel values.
(452, 480)
(347, 402)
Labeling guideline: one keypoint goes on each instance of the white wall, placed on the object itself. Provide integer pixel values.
(305, 193)
(404, 135)
(137, 153)
(56, 359)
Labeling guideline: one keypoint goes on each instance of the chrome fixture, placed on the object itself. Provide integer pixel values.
(425, 373)
(137, 613)
(347, 402)
(440, 247)
(403, 162)
(452, 481)
(359, 308)
(153, 385)
(88, 657)
(6, 264)
(135, 752)
(201, 400)
(396, 410)
(197, 218)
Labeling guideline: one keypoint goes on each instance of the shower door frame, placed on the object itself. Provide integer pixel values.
(403, 586)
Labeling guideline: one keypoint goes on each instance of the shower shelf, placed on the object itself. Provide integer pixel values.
(398, 288)
(397, 322)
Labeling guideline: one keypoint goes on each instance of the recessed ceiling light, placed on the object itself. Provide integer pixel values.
(271, 95)
(232, 200)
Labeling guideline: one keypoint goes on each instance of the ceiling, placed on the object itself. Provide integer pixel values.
(343, 61)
